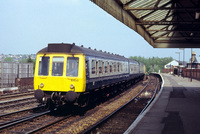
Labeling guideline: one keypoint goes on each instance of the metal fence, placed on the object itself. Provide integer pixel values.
(9, 71)
(195, 73)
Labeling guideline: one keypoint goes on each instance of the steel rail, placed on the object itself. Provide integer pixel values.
(17, 112)
(23, 120)
(15, 93)
(21, 111)
(149, 102)
(113, 113)
(14, 101)
(5, 96)
(48, 125)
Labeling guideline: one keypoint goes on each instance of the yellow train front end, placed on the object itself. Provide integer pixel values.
(59, 78)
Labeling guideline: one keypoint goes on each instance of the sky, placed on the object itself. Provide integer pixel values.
(27, 26)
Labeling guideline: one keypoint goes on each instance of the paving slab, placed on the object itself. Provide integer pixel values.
(176, 111)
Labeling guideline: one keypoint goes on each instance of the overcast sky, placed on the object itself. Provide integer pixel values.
(27, 26)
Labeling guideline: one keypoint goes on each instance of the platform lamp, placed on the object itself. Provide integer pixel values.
(178, 63)
(183, 55)
(191, 67)
(179, 57)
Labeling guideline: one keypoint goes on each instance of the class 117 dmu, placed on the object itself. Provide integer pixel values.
(67, 73)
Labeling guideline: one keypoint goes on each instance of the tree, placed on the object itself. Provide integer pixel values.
(156, 61)
(8, 59)
(29, 60)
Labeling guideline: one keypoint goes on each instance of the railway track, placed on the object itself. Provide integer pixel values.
(77, 123)
(8, 96)
(120, 120)
(47, 122)
(25, 124)
(18, 115)
(18, 104)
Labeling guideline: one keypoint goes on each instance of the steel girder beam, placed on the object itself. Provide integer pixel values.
(163, 8)
(167, 22)
(177, 45)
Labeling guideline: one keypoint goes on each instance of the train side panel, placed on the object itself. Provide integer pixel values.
(102, 72)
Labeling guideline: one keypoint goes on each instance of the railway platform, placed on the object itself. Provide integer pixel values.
(175, 111)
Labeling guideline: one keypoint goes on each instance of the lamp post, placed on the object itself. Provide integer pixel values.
(179, 57)
(191, 67)
(178, 63)
(183, 55)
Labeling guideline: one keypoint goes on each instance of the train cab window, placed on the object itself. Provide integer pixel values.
(43, 66)
(57, 66)
(72, 66)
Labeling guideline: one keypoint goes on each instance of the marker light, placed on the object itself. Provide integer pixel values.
(41, 85)
(72, 86)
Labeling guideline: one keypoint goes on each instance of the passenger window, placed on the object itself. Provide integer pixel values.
(43, 66)
(72, 66)
(100, 67)
(111, 67)
(93, 66)
(103, 67)
(106, 67)
(97, 67)
(115, 69)
(118, 67)
(57, 66)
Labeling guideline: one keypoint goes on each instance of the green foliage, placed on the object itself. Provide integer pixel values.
(156, 61)
(29, 60)
(8, 59)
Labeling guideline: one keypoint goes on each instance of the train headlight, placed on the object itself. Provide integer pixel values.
(72, 86)
(41, 85)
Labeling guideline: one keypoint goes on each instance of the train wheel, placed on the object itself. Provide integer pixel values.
(84, 100)
(50, 105)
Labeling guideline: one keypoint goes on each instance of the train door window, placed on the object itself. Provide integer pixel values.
(86, 67)
(43, 66)
(72, 66)
(57, 66)
(93, 67)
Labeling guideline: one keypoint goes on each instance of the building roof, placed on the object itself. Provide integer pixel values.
(162, 23)
(197, 60)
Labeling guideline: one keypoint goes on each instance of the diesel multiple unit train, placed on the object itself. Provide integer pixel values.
(67, 73)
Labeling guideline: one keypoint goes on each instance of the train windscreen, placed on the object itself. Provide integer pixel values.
(72, 66)
(44, 66)
(57, 66)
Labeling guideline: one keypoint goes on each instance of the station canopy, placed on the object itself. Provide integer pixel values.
(162, 23)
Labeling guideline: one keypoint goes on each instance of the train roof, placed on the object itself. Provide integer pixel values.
(74, 49)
